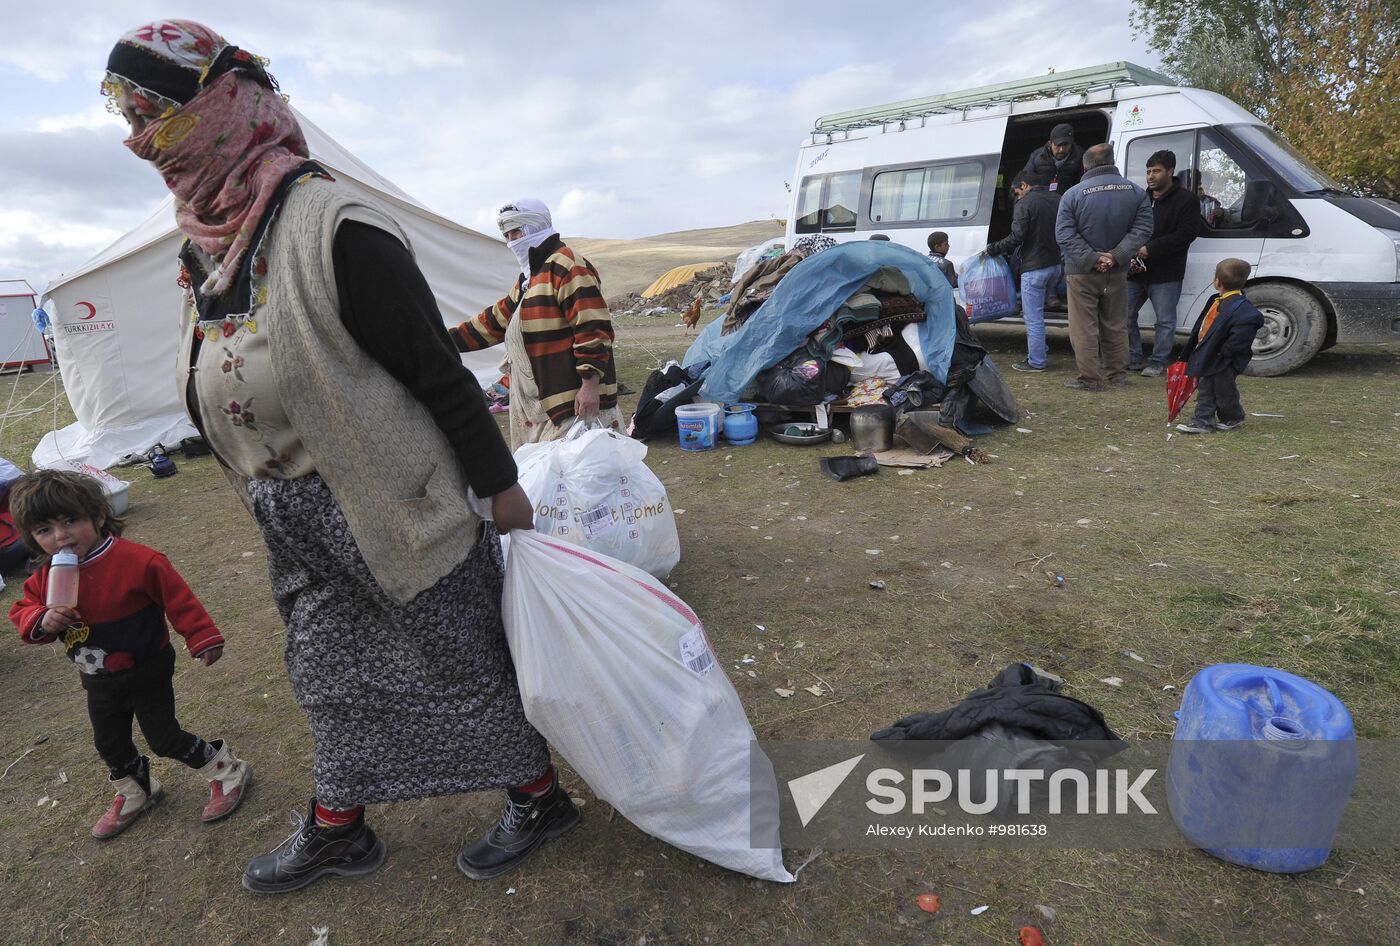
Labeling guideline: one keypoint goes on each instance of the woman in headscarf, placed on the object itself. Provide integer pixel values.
(556, 328)
(316, 365)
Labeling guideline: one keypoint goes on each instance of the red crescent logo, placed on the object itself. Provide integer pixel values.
(92, 310)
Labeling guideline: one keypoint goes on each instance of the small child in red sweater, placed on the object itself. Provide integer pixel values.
(118, 638)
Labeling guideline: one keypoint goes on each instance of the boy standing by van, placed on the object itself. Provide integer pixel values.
(938, 248)
(1219, 349)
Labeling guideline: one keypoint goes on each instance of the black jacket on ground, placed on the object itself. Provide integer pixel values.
(1229, 343)
(1033, 230)
(1019, 700)
(1066, 175)
(1176, 221)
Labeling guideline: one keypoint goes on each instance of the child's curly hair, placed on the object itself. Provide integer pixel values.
(45, 495)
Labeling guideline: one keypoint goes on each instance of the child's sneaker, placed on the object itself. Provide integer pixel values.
(229, 778)
(132, 800)
(1195, 428)
(1222, 425)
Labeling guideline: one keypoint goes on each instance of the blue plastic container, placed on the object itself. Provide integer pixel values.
(698, 425)
(1261, 768)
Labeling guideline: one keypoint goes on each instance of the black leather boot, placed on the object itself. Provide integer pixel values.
(528, 822)
(311, 852)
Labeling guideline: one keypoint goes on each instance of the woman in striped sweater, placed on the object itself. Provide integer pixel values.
(556, 328)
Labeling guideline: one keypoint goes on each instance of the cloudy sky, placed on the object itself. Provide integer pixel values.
(628, 118)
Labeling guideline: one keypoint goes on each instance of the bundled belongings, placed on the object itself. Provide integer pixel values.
(988, 288)
(755, 286)
(619, 675)
(592, 488)
(1020, 720)
(666, 389)
(877, 309)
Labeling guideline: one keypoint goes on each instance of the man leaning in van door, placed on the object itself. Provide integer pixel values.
(1033, 233)
(1101, 223)
(1159, 267)
(1060, 159)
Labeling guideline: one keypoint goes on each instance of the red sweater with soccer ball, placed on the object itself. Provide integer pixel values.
(126, 592)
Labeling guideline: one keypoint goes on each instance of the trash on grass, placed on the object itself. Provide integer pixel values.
(784, 692)
(322, 934)
(1046, 913)
(1030, 936)
(1112, 681)
(1133, 656)
(928, 902)
(978, 911)
(878, 585)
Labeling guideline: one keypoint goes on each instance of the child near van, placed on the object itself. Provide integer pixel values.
(938, 248)
(118, 638)
(1220, 347)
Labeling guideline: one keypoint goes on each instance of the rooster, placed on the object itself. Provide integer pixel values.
(691, 318)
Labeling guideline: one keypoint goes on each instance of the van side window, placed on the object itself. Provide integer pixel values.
(809, 205)
(842, 199)
(1222, 184)
(1180, 143)
(948, 192)
(828, 202)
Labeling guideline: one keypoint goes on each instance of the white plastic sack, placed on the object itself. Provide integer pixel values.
(617, 673)
(593, 488)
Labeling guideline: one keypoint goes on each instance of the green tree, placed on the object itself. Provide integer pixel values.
(1326, 73)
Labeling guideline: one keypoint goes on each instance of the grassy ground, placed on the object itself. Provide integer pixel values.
(1275, 544)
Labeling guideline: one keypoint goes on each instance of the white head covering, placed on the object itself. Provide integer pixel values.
(531, 216)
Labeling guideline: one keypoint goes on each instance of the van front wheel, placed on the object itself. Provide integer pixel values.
(1295, 328)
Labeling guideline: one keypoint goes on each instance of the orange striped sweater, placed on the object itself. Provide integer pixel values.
(566, 326)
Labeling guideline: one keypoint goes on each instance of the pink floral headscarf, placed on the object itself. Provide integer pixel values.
(223, 151)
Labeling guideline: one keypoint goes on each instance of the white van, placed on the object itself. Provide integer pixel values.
(1326, 263)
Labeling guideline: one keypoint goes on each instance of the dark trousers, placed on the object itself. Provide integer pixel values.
(1218, 394)
(146, 692)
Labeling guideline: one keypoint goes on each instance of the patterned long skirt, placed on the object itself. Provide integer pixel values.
(404, 701)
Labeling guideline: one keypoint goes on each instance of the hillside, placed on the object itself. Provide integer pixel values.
(632, 265)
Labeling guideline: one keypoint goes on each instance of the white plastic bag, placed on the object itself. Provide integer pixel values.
(592, 487)
(617, 673)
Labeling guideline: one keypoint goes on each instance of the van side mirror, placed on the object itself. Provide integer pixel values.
(1260, 203)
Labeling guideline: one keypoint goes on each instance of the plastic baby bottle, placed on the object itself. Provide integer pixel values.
(63, 580)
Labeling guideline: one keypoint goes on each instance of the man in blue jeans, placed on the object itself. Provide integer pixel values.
(1033, 232)
(1158, 268)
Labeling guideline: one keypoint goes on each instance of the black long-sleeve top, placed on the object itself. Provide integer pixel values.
(388, 308)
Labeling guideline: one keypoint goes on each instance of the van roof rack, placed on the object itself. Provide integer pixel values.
(1058, 84)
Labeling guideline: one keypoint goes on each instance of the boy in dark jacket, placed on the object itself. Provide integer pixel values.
(1159, 265)
(938, 247)
(1219, 349)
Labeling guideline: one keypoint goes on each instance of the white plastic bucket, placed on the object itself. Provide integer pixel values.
(698, 425)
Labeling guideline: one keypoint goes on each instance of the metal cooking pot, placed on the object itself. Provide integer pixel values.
(872, 428)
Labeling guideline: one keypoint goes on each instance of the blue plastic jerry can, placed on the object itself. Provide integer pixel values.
(1262, 765)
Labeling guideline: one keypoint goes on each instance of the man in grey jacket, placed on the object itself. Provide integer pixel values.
(1101, 222)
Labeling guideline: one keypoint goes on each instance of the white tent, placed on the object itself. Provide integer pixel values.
(116, 318)
(20, 342)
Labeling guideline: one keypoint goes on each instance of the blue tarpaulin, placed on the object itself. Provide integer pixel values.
(808, 296)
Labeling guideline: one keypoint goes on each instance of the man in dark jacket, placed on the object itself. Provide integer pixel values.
(1157, 270)
(1219, 349)
(1101, 222)
(1033, 231)
(1060, 159)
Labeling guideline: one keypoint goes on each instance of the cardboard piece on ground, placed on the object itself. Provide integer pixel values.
(902, 456)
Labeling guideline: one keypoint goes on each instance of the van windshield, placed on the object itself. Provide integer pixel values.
(1295, 169)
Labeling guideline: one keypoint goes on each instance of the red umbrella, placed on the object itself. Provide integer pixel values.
(1179, 389)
